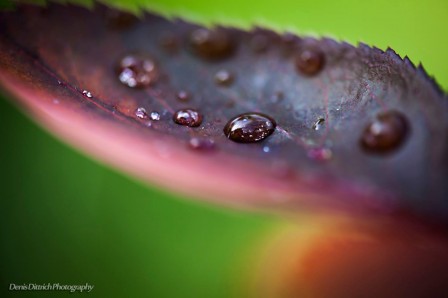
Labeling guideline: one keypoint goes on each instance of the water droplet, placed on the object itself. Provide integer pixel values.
(386, 133)
(310, 61)
(223, 78)
(201, 144)
(320, 154)
(266, 149)
(318, 124)
(259, 43)
(87, 93)
(155, 116)
(137, 71)
(183, 95)
(141, 113)
(187, 117)
(211, 43)
(249, 127)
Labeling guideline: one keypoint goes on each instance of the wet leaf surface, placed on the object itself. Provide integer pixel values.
(115, 88)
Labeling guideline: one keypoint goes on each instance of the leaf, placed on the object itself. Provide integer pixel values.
(325, 100)
(347, 20)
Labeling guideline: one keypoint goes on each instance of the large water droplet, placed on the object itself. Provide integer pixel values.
(318, 124)
(188, 117)
(310, 61)
(223, 77)
(201, 144)
(249, 127)
(137, 71)
(141, 113)
(211, 43)
(386, 133)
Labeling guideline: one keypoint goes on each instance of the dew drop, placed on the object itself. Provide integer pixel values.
(211, 43)
(320, 154)
(318, 124)
(201, 144)
(266, 149)
(187, 117)
(223, 78)
(386, 133)
(87, 93)
(155, 116)
(249, 127)
(183, 96)
(310, 61)
(137, 72)
(141, 113)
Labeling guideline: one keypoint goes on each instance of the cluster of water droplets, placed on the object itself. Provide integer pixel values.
(383, 134)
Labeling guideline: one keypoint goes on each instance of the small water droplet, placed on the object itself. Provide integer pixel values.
(320, 154)
(201, 144)
(155, 116)
(259, 43)
(137, 71)
(386, 133)
(310, 61)
(266, 149)
(211, 43)
(87, 93)
(141, 113)
(318, 124)
(249, 127)
(183, 96)
(188, 117)
(223, 78)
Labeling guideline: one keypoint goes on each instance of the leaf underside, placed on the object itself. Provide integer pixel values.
(51, 57)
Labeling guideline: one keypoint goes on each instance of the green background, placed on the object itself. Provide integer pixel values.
(65, 218)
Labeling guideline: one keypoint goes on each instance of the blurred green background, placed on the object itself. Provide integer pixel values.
(66, 218)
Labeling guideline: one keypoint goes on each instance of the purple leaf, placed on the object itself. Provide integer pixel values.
(331, 126)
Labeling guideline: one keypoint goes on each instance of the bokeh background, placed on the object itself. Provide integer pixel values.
(66, 218)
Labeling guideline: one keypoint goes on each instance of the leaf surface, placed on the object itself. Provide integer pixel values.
(63, 64)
